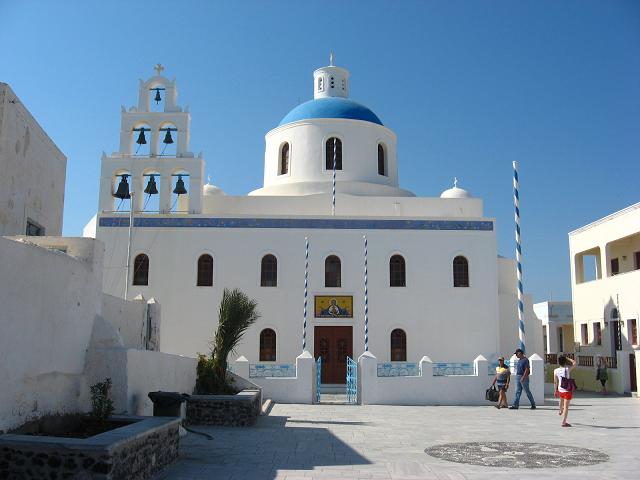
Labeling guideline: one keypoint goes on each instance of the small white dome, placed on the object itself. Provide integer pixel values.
(211, 190)
(455, 192)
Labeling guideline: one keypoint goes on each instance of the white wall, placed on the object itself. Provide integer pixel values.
(33, 171)
(49, 301)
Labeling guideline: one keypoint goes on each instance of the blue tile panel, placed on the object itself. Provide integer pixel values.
(491, 368)
(445, 369)
(302, 223)
(271, 370)
(398, 369)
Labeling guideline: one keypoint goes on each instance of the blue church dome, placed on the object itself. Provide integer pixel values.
(333, 107)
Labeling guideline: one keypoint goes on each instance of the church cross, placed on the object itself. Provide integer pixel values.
(158, 68)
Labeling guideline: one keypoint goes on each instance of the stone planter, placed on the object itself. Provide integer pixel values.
(240, 410)
(136, 451)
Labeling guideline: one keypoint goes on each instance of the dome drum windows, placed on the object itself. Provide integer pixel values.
(141, 270)
(398, 346)
(397, 271)
(267, 345)
(205, 271)
(460, 272)
(269, 271)
(333, 149)
(321, 84)
(332, 272)
(382, 160)
(283, 159)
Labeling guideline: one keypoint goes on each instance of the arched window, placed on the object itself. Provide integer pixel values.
(332, 272)
(382, 164)
(284, 159)
(333, 141)
(320, 84)
(269, 271)
(460, 272)
(267, 345)
(398, 346)
(205, 271)
(141, 270)
(397, 272)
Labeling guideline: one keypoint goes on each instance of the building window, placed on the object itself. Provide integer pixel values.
(398, 346)
(460, 272)
(597, 333)
(267, 345)
(332, 82)
(205, 271)
(382, 168)
(33, 229)
(269, 271)
(615, 266)
(560, 340)
(633, 331)
(320, 84)
(344, 84)
(397, 272)
(141, 270)
(284, 159)
(584, 334)
(544, 338)
(333, 145)
(636, 257)
(332, 272)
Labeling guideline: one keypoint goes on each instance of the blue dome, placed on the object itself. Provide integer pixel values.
(332, 107)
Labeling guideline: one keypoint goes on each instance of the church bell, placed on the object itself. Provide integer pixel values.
(151, 188)
(157, 97)
(167, 137)
(123, 189)
(141, 138)
(180, 190)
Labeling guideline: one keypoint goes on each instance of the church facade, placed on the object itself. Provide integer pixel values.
(434, 282)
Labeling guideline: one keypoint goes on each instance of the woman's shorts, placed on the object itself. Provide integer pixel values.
(501, 386)
(566, 395)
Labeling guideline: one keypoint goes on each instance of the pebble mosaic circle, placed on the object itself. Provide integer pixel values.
(516, 455)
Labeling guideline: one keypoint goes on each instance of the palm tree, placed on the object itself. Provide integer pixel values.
(237, 313)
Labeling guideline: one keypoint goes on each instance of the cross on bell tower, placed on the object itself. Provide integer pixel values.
(158, 68)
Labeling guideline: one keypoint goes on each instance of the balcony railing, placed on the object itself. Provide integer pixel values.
(583, 360)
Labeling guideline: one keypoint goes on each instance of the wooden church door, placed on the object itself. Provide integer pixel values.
(334, 345)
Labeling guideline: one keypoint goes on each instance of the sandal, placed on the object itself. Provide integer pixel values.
(566, 424)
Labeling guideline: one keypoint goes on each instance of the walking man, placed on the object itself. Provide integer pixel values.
(523, 369)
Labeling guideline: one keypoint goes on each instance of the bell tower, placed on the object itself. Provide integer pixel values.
(153, 165)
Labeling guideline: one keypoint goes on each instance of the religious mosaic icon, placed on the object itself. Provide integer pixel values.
(327, 306)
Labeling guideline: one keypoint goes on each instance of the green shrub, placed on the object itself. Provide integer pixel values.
(101, 404)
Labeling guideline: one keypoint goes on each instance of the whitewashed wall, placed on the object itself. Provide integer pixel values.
(48, 304)
(33, 170)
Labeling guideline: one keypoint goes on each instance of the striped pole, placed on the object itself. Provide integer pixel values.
(333, 200)
(306, 274)
(516, 202)
(366, 300)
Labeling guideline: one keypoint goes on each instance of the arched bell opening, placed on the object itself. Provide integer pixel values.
(121, 191)
(180, 187)
(152, 185)
(141, 140)
(157, 96)
(167, 140)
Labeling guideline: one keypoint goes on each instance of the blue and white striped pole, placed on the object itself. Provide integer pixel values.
(516, 202)
(366, 300)
(306, 275)
(333, 199)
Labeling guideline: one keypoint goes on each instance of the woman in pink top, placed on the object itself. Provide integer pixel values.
(565, 395)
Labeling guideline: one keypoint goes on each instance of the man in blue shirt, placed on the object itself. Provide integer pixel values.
(523, 370)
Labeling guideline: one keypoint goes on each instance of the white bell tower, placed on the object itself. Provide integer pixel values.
(154, 140)
(331, 81)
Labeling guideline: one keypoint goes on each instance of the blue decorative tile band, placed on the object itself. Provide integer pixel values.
(271, 370)
(397, 369)
(445, 369)
(491, 368)
(301, 223)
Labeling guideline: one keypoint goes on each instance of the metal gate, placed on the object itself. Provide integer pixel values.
(318, 378)
(352, 381)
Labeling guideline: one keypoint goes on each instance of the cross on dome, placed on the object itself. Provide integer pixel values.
(331, 59)
(455, 182)
(158, 68)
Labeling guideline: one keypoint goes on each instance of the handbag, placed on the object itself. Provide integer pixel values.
(568, 384)
(492, 394)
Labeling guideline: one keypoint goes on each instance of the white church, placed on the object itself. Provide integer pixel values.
(435, 284)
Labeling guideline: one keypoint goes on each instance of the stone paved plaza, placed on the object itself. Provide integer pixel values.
(388, 442)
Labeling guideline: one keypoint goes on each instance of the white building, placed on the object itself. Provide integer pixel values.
(435, 283)
(557, 325)
(605, 284)
(33, 172)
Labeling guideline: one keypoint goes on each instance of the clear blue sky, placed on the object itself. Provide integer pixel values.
(467, 86)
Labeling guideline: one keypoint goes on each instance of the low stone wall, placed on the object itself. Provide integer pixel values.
(135, 451)
(239, 410)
